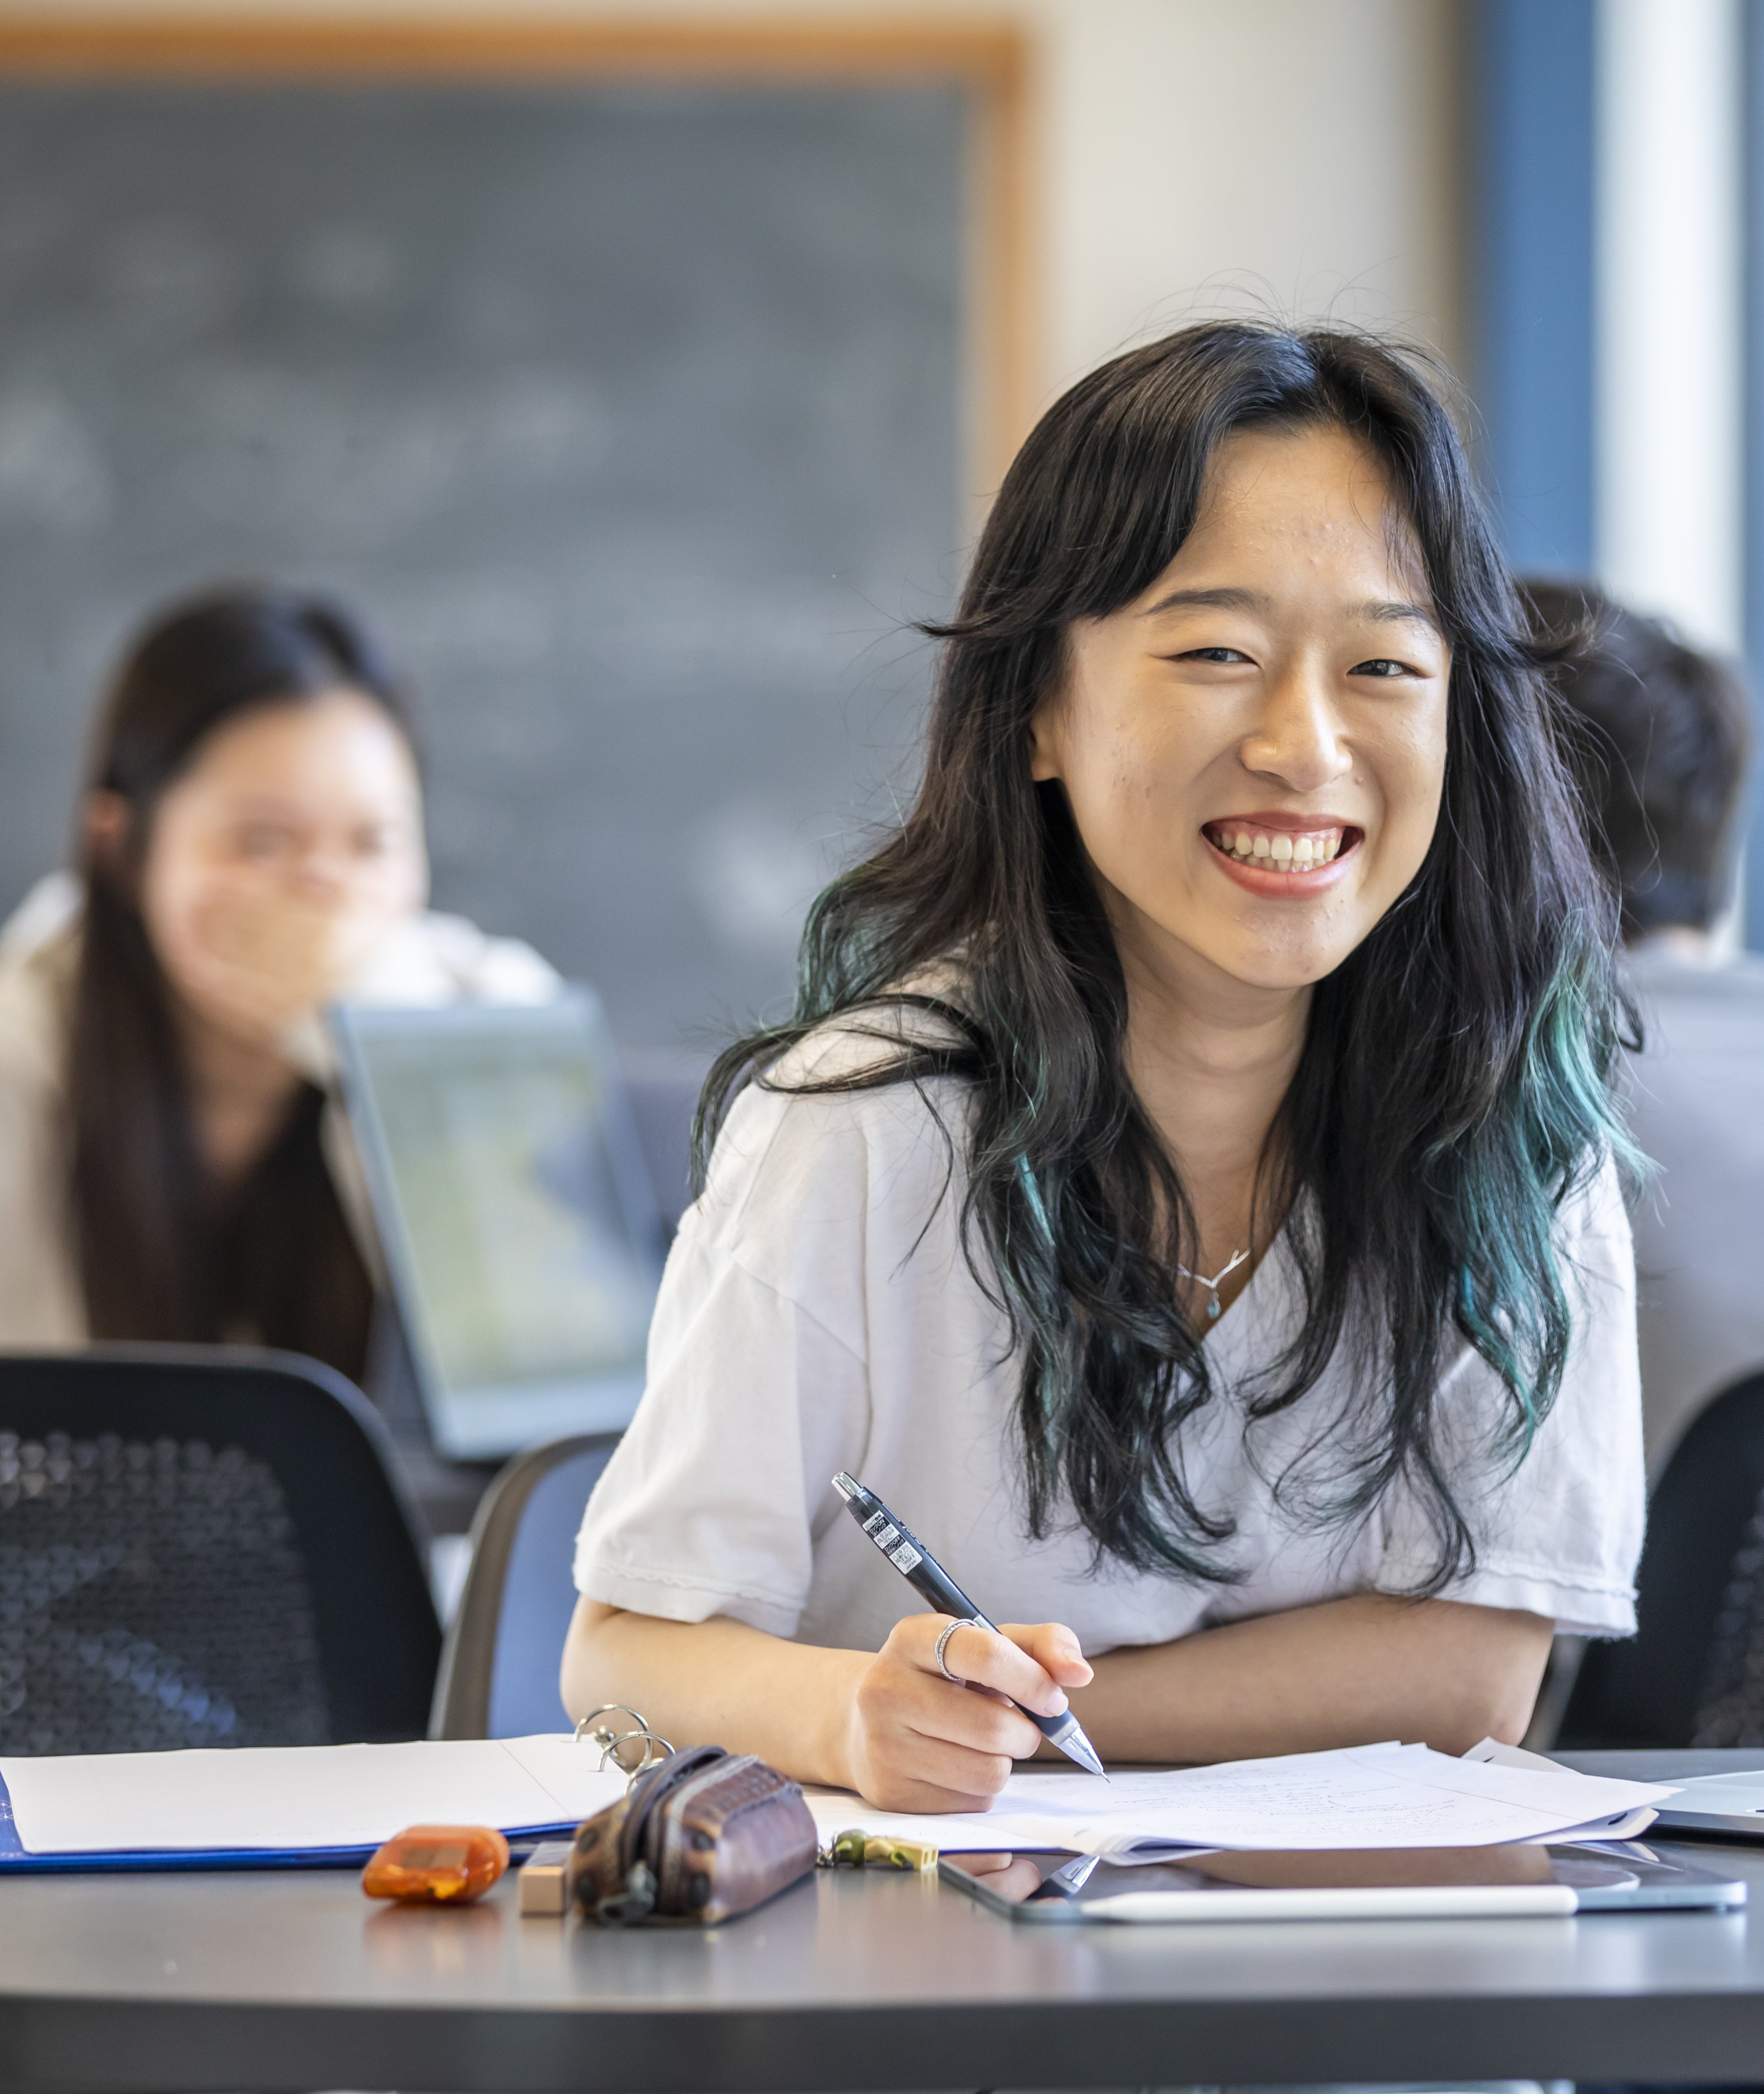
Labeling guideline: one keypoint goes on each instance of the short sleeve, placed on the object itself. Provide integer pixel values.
(1560, 1535)
(753, 1397)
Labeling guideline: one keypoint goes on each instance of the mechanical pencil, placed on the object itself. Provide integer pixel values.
(939, 1590)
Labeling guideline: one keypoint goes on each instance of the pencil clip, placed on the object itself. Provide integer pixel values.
(615, 1746)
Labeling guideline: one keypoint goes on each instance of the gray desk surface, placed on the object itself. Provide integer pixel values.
(847, 1982)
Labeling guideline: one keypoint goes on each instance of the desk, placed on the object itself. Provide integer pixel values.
(847, 1981)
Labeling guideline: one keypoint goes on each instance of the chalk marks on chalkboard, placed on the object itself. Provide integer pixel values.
(352, 268)
(160, 282)
(53, 473)
(754, 873)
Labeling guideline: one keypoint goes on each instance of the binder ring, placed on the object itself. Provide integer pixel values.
(954, 1679)
(612, 1743)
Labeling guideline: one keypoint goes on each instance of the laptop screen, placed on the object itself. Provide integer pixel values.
(519, 1228)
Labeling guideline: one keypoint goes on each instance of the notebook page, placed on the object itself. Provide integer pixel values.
(298, 1798)
(1376, 1796)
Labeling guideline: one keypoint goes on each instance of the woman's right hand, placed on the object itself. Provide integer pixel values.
(252, 963)
(918, 1742)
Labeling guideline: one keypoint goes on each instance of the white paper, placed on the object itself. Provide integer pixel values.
(300, 1798)
(1626, 1825)
(1369, 1796)
(1492, 1750)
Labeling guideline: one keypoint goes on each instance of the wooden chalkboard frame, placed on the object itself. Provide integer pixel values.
(989, 62)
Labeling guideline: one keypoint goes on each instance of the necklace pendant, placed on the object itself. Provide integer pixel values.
(1214, 1308)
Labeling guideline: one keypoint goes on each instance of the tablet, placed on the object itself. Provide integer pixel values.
(520, 1229)
(1446, 1883)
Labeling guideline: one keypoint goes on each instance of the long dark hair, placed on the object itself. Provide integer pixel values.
(1453, 1089)
(158, 1255)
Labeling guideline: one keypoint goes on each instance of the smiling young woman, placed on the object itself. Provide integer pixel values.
(1187, 1189)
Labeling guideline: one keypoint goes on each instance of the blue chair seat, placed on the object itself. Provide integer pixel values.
(498, 1676)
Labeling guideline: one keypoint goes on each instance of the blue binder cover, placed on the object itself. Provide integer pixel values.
(15, 1860)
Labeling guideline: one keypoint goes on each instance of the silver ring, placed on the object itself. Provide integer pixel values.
(954, 1679)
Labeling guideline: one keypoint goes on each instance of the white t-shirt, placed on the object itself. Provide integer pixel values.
(818, 1313)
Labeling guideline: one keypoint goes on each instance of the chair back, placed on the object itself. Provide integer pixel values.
(203, 1546)
(1694, 1674)
(499, 1674)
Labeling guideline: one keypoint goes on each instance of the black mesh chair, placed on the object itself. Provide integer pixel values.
(203, 1547)
(1695, 1674)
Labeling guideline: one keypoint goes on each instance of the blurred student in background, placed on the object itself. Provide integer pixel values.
(250, 849)
(1662, 755)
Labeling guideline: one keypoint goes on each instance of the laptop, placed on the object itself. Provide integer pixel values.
(1729, 1804)
(520, 1225)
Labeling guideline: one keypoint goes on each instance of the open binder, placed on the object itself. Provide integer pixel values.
(294, 1807)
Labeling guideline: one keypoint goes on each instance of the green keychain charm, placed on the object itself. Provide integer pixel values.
(856, 1850)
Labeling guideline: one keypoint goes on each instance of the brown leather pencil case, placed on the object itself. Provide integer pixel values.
(703, 1837)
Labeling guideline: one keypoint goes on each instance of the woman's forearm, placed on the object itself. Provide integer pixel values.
(890, 1724)
(719, 1683)
(1343, 1672)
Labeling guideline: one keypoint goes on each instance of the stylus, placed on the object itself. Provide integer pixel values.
(938, 1589)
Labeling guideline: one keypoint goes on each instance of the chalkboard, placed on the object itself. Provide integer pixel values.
(631, 414)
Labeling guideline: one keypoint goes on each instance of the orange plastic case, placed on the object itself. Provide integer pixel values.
(437, 1864)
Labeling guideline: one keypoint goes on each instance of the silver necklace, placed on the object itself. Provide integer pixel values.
(1237, 1257)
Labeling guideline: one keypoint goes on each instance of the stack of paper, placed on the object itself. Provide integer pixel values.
(1373, 1795)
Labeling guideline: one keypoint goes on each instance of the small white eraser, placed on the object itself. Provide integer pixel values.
(543, 1891)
